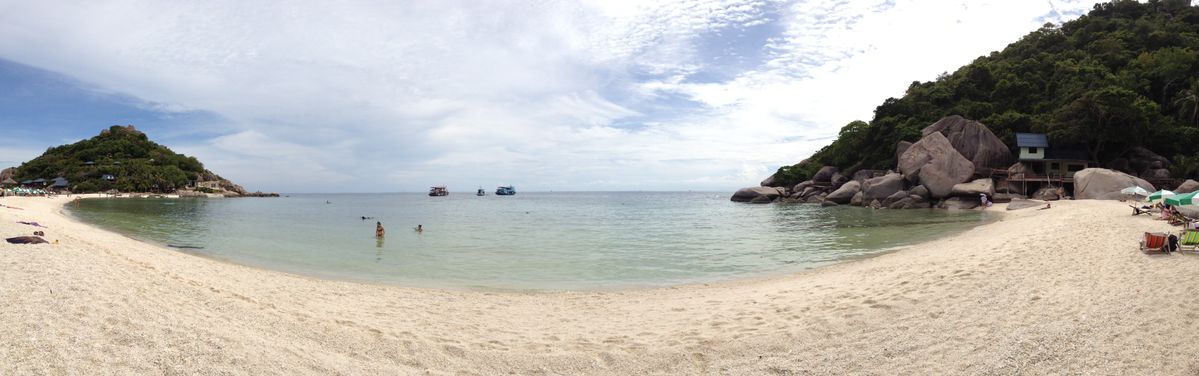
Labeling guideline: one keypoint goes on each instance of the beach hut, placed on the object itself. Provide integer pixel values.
(1056, 163)
(59, 183)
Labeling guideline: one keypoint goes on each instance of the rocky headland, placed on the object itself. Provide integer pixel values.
(954, 162)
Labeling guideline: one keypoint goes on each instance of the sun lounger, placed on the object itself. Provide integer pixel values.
(1188, 240)
(1154, 242)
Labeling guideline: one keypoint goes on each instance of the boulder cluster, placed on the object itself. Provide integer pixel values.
(950, 167)
(937, 171)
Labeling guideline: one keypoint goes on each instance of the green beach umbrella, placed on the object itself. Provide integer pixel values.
(1160, 195)
(1182, 199)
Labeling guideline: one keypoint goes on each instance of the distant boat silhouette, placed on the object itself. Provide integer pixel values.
(481, 192)
(438, 191)
(505, 190)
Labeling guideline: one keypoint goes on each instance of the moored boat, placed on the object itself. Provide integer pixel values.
(438, 191)
(481, 192)
(506, 190)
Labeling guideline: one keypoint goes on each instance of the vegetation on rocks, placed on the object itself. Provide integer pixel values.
(1124, 75)
(121, 158)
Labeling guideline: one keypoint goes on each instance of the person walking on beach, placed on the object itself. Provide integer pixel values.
(379, 229)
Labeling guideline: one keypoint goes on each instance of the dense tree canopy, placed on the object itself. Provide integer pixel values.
(133, 161)
(1124, 75)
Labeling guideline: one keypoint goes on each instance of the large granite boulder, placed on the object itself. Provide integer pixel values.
(881, 187)
(1005, 197)
(1187, 186)
(862, 175)
(1141, 159)
(800, 187)
(751, 193)
(825, 174)
(1156, 173)
(837, 180)
(936, 165)
(844, 194)
(921, 191)
(858, 199)
(974, 188)
(8, 173)
(973, 140)
(1046, 194)
(901, 147)
(1104, 184)
(769, 182)
(895, 197)
(763, 199)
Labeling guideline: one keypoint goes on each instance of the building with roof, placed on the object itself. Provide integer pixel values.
(1037, 156)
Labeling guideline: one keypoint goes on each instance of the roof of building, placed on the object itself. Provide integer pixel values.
(59, 182)
(1031, 140)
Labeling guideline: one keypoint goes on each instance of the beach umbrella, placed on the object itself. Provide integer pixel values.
(1182, 199)
(1160, 195)
(1135, 190)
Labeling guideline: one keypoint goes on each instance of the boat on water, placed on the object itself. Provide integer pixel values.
(506, 190)
(438, 191)
(481, 192)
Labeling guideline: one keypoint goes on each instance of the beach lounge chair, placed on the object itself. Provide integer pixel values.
(1188, 240)
(1154, 242)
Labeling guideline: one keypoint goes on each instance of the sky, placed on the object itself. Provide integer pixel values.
(395, 96)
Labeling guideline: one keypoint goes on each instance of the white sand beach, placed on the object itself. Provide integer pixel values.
(1058, 291)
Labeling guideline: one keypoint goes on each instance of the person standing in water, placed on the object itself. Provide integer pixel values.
(379, 229)
(419, 229)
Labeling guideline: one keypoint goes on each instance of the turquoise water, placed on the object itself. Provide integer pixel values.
(539, 241)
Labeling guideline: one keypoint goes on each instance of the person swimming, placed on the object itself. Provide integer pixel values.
(419, 229)
(379, 229)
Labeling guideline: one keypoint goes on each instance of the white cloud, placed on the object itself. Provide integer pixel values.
(599, 95)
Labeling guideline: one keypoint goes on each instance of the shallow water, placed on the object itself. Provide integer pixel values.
(540, 241)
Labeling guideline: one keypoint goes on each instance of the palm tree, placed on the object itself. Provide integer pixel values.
(1188, 100)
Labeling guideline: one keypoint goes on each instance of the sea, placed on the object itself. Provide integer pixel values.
(538, 241)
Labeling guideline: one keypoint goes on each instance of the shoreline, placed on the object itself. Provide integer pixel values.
(1056, 291)
(995, 214)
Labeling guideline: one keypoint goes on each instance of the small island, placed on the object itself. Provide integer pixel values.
(120, 159)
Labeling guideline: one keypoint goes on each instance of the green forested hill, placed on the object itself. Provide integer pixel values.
(132, 161)
(1124, 75)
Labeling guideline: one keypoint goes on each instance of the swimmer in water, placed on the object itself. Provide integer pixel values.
(419, 229)
(379, 229)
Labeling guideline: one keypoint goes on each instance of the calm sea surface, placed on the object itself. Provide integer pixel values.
(539, 241)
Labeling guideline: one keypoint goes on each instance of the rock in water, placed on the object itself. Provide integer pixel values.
(858, 199)
(894, 197)
(751, 193)
(881, 187)
(845, 194)
(1187, 186)
(935, 164)
(1104, 184)
(960, 203)
(973, 140)
(26, 240)
(985, 186)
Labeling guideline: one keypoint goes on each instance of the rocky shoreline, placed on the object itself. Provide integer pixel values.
(955, 162)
